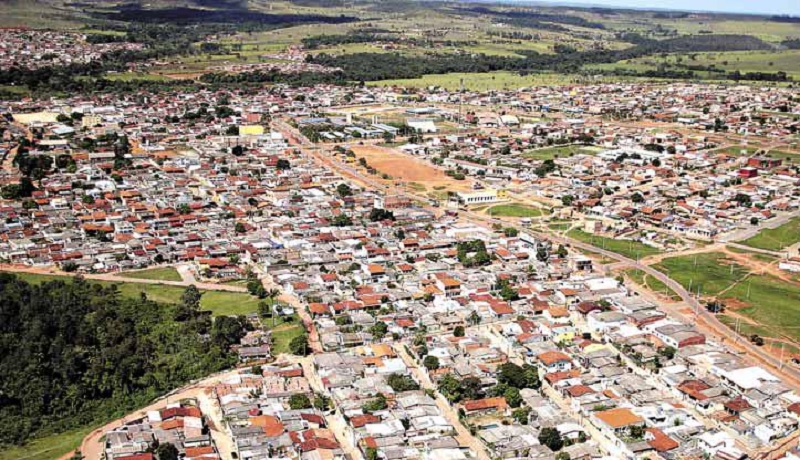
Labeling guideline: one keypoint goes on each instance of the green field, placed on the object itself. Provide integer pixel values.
(775, 239)
(515, 210)
(487, 81)
(282, 334)
(628, 248)
(218, 302)
(643, 279)
(135, 76)
(744, 61)
(773, 303)
(550, 153)
(160, 274)
(48, 447)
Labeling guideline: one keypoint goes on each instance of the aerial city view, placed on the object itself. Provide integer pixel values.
(399, 229)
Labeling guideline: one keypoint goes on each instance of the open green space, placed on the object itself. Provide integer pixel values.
(515, 210)
(775, 239)
(643, 279)
(729, 61)
(220, 303)
(771, 302)
(550, 153)
(628, 248)
(47, 447)
(282, 335)
(486, 81)
(160, 274)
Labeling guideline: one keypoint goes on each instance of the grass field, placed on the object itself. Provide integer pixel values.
(772, 303)
(628, 248)
(744, 61)
(282, 334)
(48, 447)
(487, 80)
(550, 153)
(160, 274)
(135, 76)
(218, 302)
(643, 279)
(775, 239)
(515, 210)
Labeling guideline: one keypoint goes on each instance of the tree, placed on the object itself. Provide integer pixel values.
(431, 362)
(228, 330)
(322, 402)
(563, 456)
(240, 227)
(283, 165)
(344, 190)
(510, 232)
(567, 200)
(521, 415)
(379, 330)
(299, 401)
(190, 303)
(299, 345)
(551, 438)
(474, 318)
(400, 382)
(637, 432)
(342, 220)
(371, 453)
(167, 451)
(264, 309)
(459, 331)
(513, 398)
(379, 403)
(637, 198)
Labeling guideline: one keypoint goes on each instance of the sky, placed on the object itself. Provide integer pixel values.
(788, 7)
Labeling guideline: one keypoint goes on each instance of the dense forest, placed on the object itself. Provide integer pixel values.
(536, 20)
(189, 16)
(76, 353)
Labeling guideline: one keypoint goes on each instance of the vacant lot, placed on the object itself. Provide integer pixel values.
(550, 153)
(643, 279)
(402, 167)
(628, 248)
(771, 303)
(775, 239)
(515, 210)
(159, 274)
(218, 302)
(486, 81)
(47, 447)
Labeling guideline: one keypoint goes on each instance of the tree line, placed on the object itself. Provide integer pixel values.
(74, 353)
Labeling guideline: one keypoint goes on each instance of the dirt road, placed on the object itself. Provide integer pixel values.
(463, 435)
(92, 446)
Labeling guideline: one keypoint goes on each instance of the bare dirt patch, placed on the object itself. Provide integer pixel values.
(405, 168)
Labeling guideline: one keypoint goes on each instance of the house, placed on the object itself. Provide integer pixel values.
(485, 406)
(554, 361)
(617, 421)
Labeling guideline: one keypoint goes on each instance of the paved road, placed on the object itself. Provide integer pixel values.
(748, 232)
(708, 318)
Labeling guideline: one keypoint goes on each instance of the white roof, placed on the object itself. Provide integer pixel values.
(750, 377)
